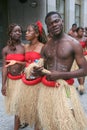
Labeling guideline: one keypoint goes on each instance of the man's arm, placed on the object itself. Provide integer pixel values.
(81, 62)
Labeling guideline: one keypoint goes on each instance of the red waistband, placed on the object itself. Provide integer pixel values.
(85, 53)
(14, 77)
(31, 82)
(53, 83)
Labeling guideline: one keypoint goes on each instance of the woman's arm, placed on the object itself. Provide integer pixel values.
(4, 75)
(12, 62)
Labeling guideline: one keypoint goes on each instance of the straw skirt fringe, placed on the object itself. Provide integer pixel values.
(11, 98)
(75, 66)
(27, 104)
(55, 111)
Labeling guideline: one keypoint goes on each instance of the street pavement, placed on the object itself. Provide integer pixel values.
(7, 122)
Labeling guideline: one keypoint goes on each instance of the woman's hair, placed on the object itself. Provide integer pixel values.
(10, 41)
(79, 29)
(40, 30)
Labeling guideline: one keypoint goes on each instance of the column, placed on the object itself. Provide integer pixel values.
(84, 13)
(69, 14)
(51, 5)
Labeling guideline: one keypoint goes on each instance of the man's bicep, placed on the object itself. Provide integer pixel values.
(79, 57)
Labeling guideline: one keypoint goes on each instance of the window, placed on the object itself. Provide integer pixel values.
(60, 7)
(77, 14)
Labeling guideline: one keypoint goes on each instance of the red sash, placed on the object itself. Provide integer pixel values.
(14, 77)
(53, 83)
(31, 82)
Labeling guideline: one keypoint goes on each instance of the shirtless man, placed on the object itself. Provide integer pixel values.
(53, 106)
(72, 31)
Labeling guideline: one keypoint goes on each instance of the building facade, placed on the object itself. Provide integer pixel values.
(25, 12)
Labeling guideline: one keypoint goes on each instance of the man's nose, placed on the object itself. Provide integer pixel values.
(54, 24)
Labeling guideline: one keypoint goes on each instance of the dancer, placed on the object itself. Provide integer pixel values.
(83, 41)
(59, 107)
(11, 75)
(72, 32)
(27, 111)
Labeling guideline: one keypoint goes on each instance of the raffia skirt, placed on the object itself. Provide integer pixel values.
(27, 103)
(75, 66)
(58, 111)
(11, 98)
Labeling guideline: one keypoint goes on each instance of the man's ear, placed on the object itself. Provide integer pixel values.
(63, 22)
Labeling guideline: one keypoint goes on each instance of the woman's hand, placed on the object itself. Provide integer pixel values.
(3, 90)
(10, 62)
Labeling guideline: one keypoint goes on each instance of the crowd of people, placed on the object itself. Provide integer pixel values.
(80, 34)
(45, 99)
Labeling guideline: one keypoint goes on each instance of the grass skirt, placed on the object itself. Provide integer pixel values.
(75, 66)
(55, 109)
(11, 99)
(27, 103)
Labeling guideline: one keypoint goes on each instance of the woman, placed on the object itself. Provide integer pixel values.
(83, 42)
(11, 75)
(27, 110)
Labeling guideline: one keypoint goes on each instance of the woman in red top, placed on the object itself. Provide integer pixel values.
(11, 75)
(29, 88)
(83, 42)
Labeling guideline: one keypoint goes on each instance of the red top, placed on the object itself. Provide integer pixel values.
(83, 44)
(17, 57)
(31, 56)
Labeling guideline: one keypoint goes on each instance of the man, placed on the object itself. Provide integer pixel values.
(58, 104)
(72, 31)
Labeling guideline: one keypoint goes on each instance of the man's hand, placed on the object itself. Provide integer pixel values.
(37, 71)
(52, 76)
(10, 62)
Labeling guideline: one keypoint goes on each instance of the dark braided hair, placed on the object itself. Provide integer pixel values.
(42, 35)
(11, 43)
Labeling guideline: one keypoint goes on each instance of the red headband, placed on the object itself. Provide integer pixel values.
(39, 24)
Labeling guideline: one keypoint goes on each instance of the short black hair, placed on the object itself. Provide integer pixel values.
(74, 24)
(51, 13)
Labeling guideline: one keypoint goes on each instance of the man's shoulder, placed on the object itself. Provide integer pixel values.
(72, 41)
(70, 31)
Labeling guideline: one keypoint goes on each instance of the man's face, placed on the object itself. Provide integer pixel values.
(74, 27)
(54, 24)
